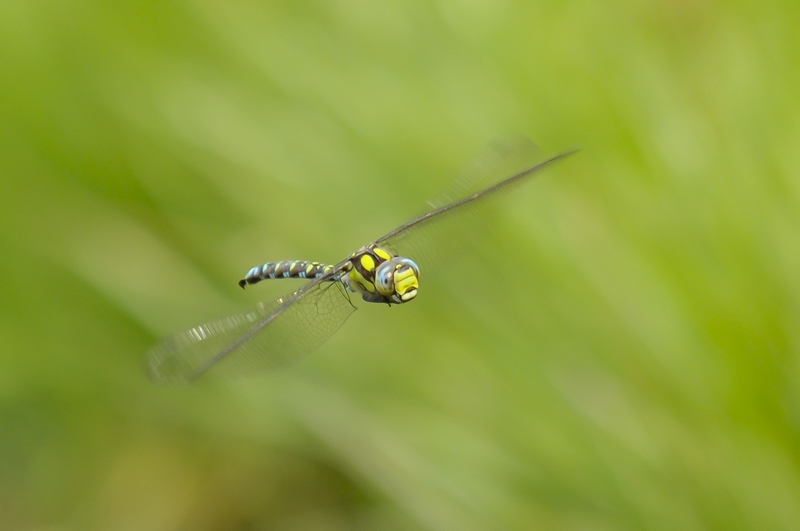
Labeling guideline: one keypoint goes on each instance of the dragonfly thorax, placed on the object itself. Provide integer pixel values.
(380, 276)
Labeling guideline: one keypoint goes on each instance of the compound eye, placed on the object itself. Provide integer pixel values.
(383, 278)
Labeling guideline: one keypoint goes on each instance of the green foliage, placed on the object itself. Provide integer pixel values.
(621, 352)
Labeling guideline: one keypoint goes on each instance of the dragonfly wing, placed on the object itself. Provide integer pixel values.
(435, 237)
(265, 337)
(497, 161)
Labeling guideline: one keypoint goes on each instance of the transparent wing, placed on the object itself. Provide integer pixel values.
(435, 237)
(497, 161)
(267, 336)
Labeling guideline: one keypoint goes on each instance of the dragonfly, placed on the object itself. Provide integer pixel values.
(386, 270)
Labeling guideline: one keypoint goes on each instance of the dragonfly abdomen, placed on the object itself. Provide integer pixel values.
(285, 269)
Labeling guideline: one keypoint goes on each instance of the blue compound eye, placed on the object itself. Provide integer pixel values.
(383, 278)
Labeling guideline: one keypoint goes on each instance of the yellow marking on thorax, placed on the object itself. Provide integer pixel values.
(382, 253)
(367, 262)
(360, 281)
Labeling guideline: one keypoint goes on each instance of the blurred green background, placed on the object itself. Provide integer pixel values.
(627, 357)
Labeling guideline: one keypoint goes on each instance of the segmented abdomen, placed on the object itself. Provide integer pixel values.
(285, 269)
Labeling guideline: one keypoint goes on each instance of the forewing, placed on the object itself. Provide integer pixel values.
(437, 236)
(266, 337)
(497, 161)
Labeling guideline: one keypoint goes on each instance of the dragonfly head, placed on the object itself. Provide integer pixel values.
(397, 279)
